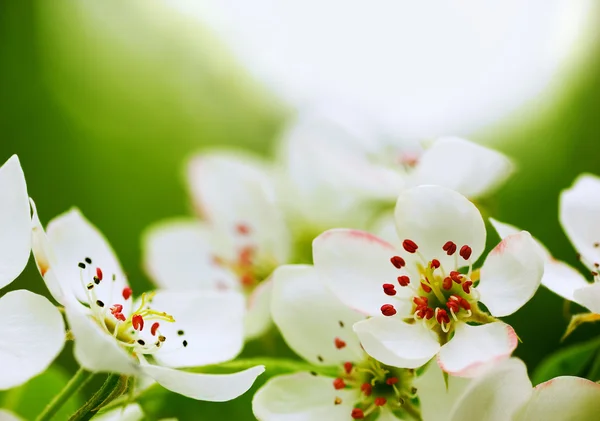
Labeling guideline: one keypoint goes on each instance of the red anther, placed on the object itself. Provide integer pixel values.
(410, 246)
(99, 274)
(453, 305)
(127, 293)
(389, 289)
(420, 301)
(137, 321)
(456, 276)
(247, 280)
(442, 316)
(435, 263)
(428, 313)
(465, 252)
(154, 328)
(392, 380)
(120, 317)
(398, 262)
(380, 401)
(117, 308)
(242, 229)
(425, 287)
(366, 388)
(467, 287)
(449, 248)
(357, 414)
(421, 312)
(464, 303)
(403, 280)
(348, 367)
(447, 283)
(245, 256)
(339, 384)
(388, 310)
(339, 344)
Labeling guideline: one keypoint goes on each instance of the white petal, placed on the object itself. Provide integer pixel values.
(589, 296)
(235, 192)
(179, 255)
(33, 334)
(205, 387)
(354, 265)
(310, 317)
(396, 343)
(473, 348)
(561, 399)
(495, 395)
(433, 215)
(94, 349)
(258, 315)
(579, 210)
(511, 274)
(131, 412)
(73, 239)
(302, 397)
(212, 322)
(435, 398)
(463, 166)
(8, 416)
(15, 221)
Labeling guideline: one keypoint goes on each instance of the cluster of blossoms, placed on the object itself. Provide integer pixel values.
(396, 314)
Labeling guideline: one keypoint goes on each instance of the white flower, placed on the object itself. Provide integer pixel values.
(242, 239)
(32, 329)
(151, 335)
(318, 327)
(337, 164)
(427, 289)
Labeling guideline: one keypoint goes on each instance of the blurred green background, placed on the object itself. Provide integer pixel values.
(102, 108)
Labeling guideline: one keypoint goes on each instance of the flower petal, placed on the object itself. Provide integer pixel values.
(132, 412)
(205, 387)
(589, 296)
(473, 348)
(8, 416)
(311, 318)
(433, 215)
(94, 349)
(258, 315)
(562, 398)
(435, 398)
(73, 238)
(578, 213)
(302, 397)
(33, 334)
(236, 194)
(511, 274)
(15, 221)
(396, 343)
(354, 265)
(212, 323)
(179, 255)
(496, 394)
(463, 166)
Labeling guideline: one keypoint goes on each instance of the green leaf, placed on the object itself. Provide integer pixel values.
(574, 360)
(30, 399)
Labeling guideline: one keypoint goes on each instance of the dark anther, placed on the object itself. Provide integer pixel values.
(90, 286)
(141, 342)
(100, 303)
(96, 280)
(180, 332)
(319, 358)
(88, 260)
(341, 323)
(185, 343)
(314, 373)
(81, 265)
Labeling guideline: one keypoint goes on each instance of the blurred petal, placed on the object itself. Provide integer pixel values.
(212, 322)
(463, 166)
(589, 296)
(354, 265)
(561, 399)
(495, 395)
(205, 387)
(396, 343)
(179, 255)
(579, 210)
(15, 221)
(473, 348)
(258, 315)
(433, 215)
(131, 412)
(8, 416)
(33, 334)
(94, 349)
(311, 318)
(236, 193)
(302, 397)
(511, 274)
(435, 398)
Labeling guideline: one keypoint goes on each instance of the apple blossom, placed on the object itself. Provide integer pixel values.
(152, 335)
(318, 327)
(424, 296)
(32, 329)
(242, 239)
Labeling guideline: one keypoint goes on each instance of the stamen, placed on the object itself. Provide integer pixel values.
(391, 381)
(357, 414)
(467, 286)
(398, 262)
(366, 388)
(389, 289)
(441, 316)
(425, 287)
(180, 332)
(127, 293)
(465, 252)
(339, 344)
(242, 229)
(348, 367)
(447, 283)
(380, 401)
(453, 306)
(81, 265)
(137, 321)
(403, 280)
(99, 273)
(410, 246)
(154, 328)
(141, 342)
(435, 263)
(449, 248)
(88, 260)
(337, 401)
(339, 383)
(185, 343)
(99, 303)
(456, 276)
(388, 310)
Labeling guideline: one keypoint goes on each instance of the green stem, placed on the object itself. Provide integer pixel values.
(80, 378)
(114, 386)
